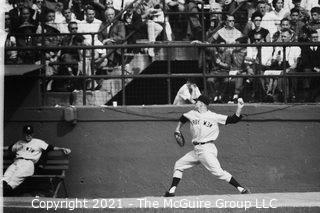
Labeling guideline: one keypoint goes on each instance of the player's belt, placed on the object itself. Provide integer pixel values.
(201, 143)
(20, 158)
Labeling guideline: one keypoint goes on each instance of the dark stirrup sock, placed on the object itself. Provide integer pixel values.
(175, 182)
(234, 183)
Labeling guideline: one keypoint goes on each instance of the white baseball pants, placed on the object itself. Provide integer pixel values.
(18, 171)
(205, 154)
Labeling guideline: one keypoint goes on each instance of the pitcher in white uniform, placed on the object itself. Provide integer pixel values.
(204, 131)
(27, 153)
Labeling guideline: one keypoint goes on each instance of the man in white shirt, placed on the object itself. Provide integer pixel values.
(229, 33)
(90, 25)
(254, 66)
(68, 17)
(271, 21)
(292, 55)
(187, 93)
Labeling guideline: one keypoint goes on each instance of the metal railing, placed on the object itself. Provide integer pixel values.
(204, 74)
(170, 75)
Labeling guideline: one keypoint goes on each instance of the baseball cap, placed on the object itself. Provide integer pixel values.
(27, 129)
(204, 99)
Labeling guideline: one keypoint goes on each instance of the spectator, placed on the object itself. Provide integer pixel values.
(187, 93)
(134, 27)
(194, 31)
(309, 4)
(285, 24)
(239, 10)
(101, 6)
(79, 9)
(237, 68)
(303, 13)
(90, 25)
(177, 21)
(262, 9)
(38, 7)
(296, 24)
(68, 17)
(212, 28)
(16, 14)
(51, 55)
(7, 6)
(49, 26)
(271, 21)
(315, 20)
(256, 18)
(10, 56)
(310, 63)
(228, 33)
(256, 62)
(27, 154)
(292, 55)
(221, 64)
(59, 17)
(71, 58)
(112, 33)
(215, 17)
(24, 38)
(155, 19)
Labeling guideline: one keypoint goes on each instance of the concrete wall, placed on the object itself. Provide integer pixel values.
(130, 151)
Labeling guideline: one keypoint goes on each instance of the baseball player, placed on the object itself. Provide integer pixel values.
(204, 130)
(27, 153)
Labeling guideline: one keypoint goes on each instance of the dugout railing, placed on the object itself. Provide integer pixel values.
(203, 74)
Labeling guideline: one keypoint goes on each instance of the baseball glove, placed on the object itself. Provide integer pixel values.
(179, 138)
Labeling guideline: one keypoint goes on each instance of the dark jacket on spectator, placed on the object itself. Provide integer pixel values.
(116, 32)
(310, 58)
(15, 16)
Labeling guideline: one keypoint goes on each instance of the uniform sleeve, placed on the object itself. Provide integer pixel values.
(43, 145)
(221, 119)
(233, 119)
(184, 93)
(183, 119)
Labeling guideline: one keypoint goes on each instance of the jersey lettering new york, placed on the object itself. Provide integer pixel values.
(204, 126)
(31, 150)
(198, 122)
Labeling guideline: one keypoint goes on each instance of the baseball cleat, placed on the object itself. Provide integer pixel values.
(168, 194)
(245, 191)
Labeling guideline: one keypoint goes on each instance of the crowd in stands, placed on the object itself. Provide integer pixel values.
(127, 21)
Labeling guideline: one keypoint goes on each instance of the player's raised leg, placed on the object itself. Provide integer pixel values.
(187, 161)
(209, 160)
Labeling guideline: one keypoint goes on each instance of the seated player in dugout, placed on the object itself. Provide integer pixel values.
(27, 154)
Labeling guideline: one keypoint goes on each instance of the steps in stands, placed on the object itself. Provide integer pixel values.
(183, 60)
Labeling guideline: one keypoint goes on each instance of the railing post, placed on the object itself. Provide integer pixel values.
(202, 21)
(92, 61)
(84, 95)
(285, 84)
(43, 69)
(204, 65)
(169, 73)
(123, 82)
(164, 22)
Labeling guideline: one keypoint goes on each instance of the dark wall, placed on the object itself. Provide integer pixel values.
(130, 151)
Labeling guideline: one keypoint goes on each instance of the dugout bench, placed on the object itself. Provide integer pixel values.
(48, 177)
